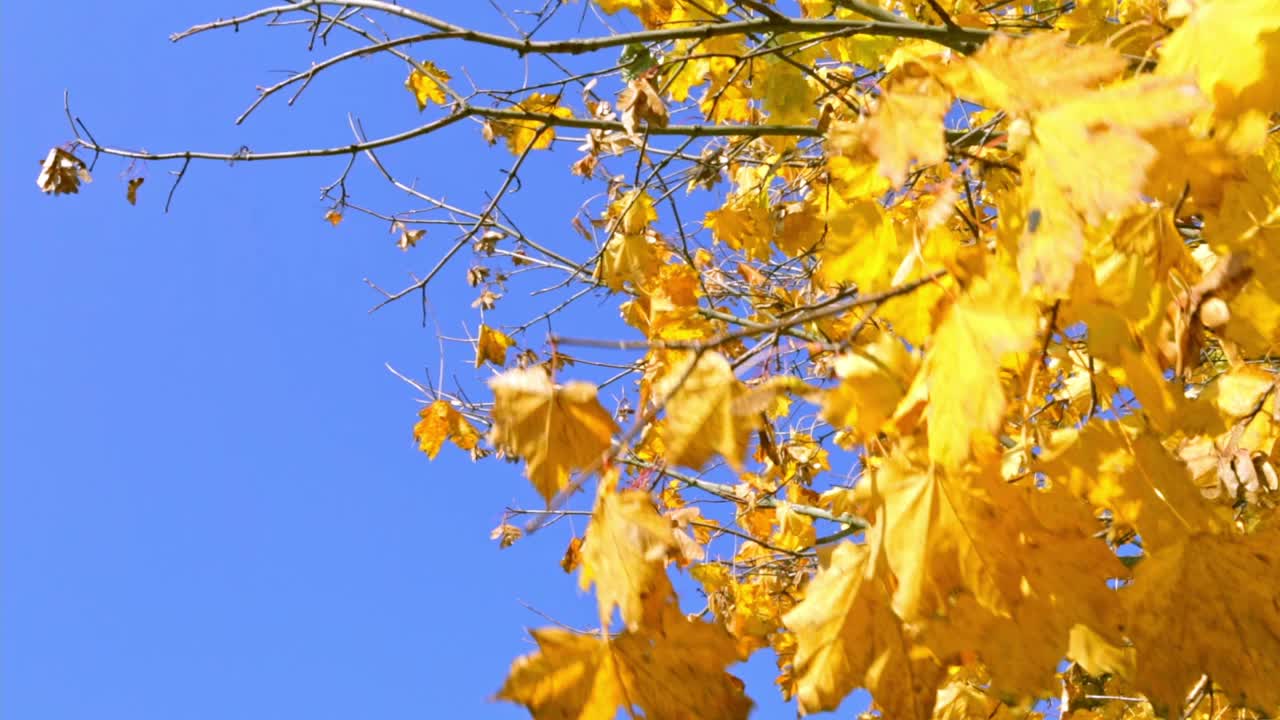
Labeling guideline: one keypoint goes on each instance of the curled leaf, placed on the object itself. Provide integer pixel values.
(61, 173)
(131, 194)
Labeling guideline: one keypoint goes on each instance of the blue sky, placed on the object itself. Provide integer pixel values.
(211, 503)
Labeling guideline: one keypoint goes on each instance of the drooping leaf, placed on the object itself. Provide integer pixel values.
(625, 554)
(492, 346)
(702, 417)
(61, 173)
(666, 676)
(131, 192)
(850, 637)
(992, 320)
(640, 104)
(556, 429)
(873, 380)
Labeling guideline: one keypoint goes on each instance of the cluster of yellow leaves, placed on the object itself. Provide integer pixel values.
(662, 663)
(630, 254)
(1032, 282)
(1069, 239)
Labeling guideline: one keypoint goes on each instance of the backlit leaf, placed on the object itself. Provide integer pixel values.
(556, 429)
(625, 554)
(962, 364)
(426, 82)
(531, 134)
(701, 417)
(492, 346)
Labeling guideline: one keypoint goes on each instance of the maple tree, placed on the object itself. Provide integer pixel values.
(945, 356)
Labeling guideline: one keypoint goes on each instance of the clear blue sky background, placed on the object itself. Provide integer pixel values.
(212, 506)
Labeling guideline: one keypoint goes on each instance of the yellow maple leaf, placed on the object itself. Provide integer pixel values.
(728, 104)
(1243, 389)
(1208, 605)
(632, 212)
(491, 346)
(440, 421)
(701, 416)
(625, 555)
(856, 176)
(795, 531)
(785, 91)
(525, 134)
(697, 61)
(849, 637)
(426, 82)
(690, 532)
(1131, 474)
(626, 257)
(665, 675)
(964, 699)
(1063, 588)
(873, 380)
(1066, 190)
(863, 245)
(962, 364)
(1239, 80)
(630, 254)
(944, 531)
(1026, 572)
(742, 225)
(1109, 122)
(906, 126)
(556, 429)
(1020, 75)
(666, 308)
(1249, 221)
(653, 13)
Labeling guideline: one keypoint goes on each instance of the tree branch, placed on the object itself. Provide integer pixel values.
(958, 38)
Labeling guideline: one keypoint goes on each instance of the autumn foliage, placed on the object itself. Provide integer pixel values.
(944, 362)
